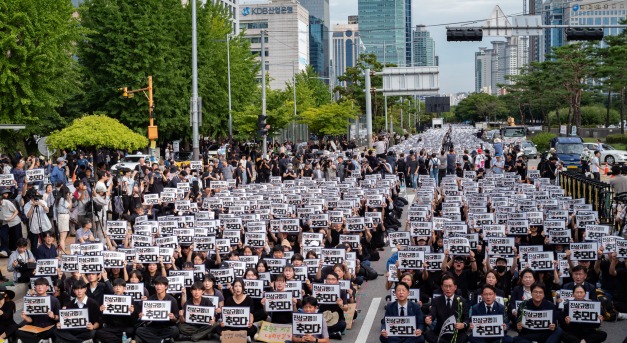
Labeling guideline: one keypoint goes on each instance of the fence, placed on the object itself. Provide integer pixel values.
(597, 193)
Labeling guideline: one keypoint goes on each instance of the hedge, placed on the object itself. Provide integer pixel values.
(616, 139)
(542, 140)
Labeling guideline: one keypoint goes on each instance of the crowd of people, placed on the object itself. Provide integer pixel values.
(488, 246)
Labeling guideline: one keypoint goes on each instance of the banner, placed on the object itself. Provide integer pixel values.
(585, 311)
(36, 305)
(487, 326)
(237, 317)
(117, 305)
(155, 310)
(307, 323)
(278, 302)
(73, 319)
(448, 327)
(200, 315)
(400, 326)
(537, 320)
(326, 294)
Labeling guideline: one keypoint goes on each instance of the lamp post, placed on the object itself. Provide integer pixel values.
(195, 138)
(228, 66)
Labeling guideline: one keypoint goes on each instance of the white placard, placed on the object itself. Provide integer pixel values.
(200, 315)
(119, 305)
(73, 319)
(156, 310)
(400, 326)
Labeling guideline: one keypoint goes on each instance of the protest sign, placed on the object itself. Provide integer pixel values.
(487, 326)
(584, 311)
(200, 315)
(119, 305)
(326, 294)
(73, 319)
(278, 302)
(135, 290)
(400, 326)
(307, 324)
(237, 317)
(156, 310)
(537, 320)
(36, 305)
(411, 259)
(90, 264)
(47, 267)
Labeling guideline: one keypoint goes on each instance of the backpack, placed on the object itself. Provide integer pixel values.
(435, 163)
(608, 311)
(118, 205)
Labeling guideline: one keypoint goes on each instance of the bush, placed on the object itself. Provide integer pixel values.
(542, 140)
(616, 139)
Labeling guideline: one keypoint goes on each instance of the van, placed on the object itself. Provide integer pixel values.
(569, 151)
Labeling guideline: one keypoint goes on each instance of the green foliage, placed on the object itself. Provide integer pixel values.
(37, 71)
(97, 131)
(477, 106)
(591, 116)
(542, 140)
(616, 139)
(329, 119)
(131, 40)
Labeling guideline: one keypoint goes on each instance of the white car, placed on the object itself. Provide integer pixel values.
(609, 154)
(131, 161)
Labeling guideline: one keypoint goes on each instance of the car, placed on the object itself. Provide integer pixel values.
(131, 161)
(182, 158)
(609, 153)
(529, 149)
(491, 135)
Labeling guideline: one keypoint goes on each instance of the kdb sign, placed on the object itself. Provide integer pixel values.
(246, 11)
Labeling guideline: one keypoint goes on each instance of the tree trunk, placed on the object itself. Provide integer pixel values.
(570, 119)
(559, 121)
(609, 105)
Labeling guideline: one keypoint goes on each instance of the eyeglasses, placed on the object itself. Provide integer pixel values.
(448, 286)
(538, 292)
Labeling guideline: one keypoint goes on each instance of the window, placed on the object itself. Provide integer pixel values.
(254, 25)
(257, 40)
(256, 52)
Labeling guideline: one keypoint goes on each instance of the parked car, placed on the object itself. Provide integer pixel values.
(131, 161)
(529, 149)
(609, 153)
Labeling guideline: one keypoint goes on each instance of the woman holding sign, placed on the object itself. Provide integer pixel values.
(537, 318)
(240, 299)
(581, 319)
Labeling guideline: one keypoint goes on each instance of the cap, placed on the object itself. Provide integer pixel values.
(5, 191)
(100, 188)
(479, 151)
(460, 258)
(41, 157)
(60, 159)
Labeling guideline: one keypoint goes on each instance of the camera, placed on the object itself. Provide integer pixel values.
(32, 194)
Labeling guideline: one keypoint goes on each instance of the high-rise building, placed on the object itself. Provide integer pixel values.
(319, 20)
(492, 66)
(382, 29)
(594, 13)
(409, 56)
(287, 41)
(483, 70)
(423, 47)
(347, 47)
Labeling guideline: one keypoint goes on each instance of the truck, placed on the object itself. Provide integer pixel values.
(513, 134)
(568, 150)
(437, 123)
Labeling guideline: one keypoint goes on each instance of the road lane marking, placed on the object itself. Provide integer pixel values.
(369, 320)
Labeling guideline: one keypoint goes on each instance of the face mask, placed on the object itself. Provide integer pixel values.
(501, 269)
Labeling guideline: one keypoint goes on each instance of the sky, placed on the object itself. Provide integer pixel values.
(457, 66)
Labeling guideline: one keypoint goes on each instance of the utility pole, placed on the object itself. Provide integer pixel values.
(368, 108)
(385, 104)
(293, 122)
(263, 89)
(228, 66)
(195, 138)
(153, 132)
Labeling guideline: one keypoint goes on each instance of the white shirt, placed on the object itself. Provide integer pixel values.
(403, 306)
(595, 165)
(81, 304)
(379, 147)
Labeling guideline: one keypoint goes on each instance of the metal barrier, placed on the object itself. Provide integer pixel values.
(597, 193)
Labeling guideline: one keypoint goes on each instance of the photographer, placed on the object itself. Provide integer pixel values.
(21, 262)
(36, 212)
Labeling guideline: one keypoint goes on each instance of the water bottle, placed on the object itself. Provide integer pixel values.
(124, 338)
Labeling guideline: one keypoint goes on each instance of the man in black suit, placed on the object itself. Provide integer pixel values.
(444, 307)
(403, 308)
(489, 307)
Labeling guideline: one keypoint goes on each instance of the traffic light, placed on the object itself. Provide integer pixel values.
(262, 127)
(584, 33)
(464, 34)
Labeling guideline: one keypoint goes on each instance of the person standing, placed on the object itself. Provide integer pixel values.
(412, 171)
(595, 167)
(451, 162)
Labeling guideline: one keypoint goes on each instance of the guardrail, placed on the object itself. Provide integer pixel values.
(597, 193)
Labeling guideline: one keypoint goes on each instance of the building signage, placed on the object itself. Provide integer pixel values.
(246, 11)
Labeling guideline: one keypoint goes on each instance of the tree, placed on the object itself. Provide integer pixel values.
(612, 70)
(478, 106)
(574, 65)
(329, 119)
(130, 40)
(37, 71)
(96, 131)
